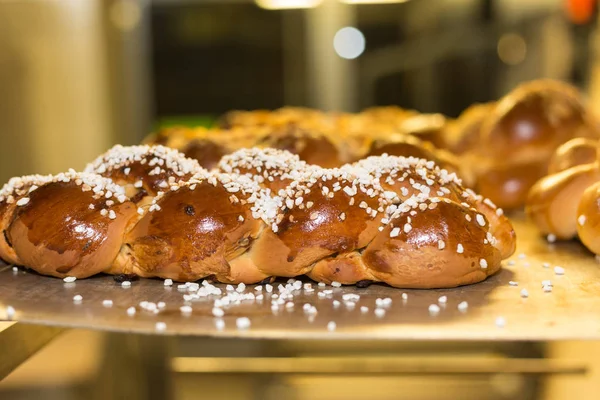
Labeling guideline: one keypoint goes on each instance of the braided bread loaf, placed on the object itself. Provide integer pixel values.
(263, 213)
(325, 139)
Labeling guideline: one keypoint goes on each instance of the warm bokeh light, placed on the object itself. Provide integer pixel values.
(512, 48)
(580, 11)
(373, 1)
(349, 43)
(287, 4)
(125, 15)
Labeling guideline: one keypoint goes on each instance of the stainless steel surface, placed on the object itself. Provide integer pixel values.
(19, 342)
(134, 367)
(380, 366)
(570, 311)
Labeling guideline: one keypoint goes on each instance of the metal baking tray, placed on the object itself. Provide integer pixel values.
(570, 311)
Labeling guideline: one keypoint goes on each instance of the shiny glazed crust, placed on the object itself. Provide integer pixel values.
(264, 214)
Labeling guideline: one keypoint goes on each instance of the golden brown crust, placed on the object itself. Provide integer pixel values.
(378, 220)
(405, 146)
(509, 144)
(150, 169)
(410, 176)
(565, 203)
(464, 133)
(207, 152)
(68, 229)
(345, 268)
(500, 227)
(536, 117)
(242, 269)
(553, 201)
(575, 152)
(327, 212)
(11, 194)
(414, 179)
(427, 127)
(311, 145)
(508, 185)
(192, 232)
(588, 218)
(410, 146)
(7, 253)
(433, 248)
(267, 118)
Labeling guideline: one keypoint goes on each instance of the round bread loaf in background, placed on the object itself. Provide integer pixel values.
(519, 136)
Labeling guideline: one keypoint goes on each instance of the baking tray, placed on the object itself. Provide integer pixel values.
(570, 311)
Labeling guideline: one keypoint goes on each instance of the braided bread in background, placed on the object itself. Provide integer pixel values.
(499, 149)
(325, 139)
(262, 214)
